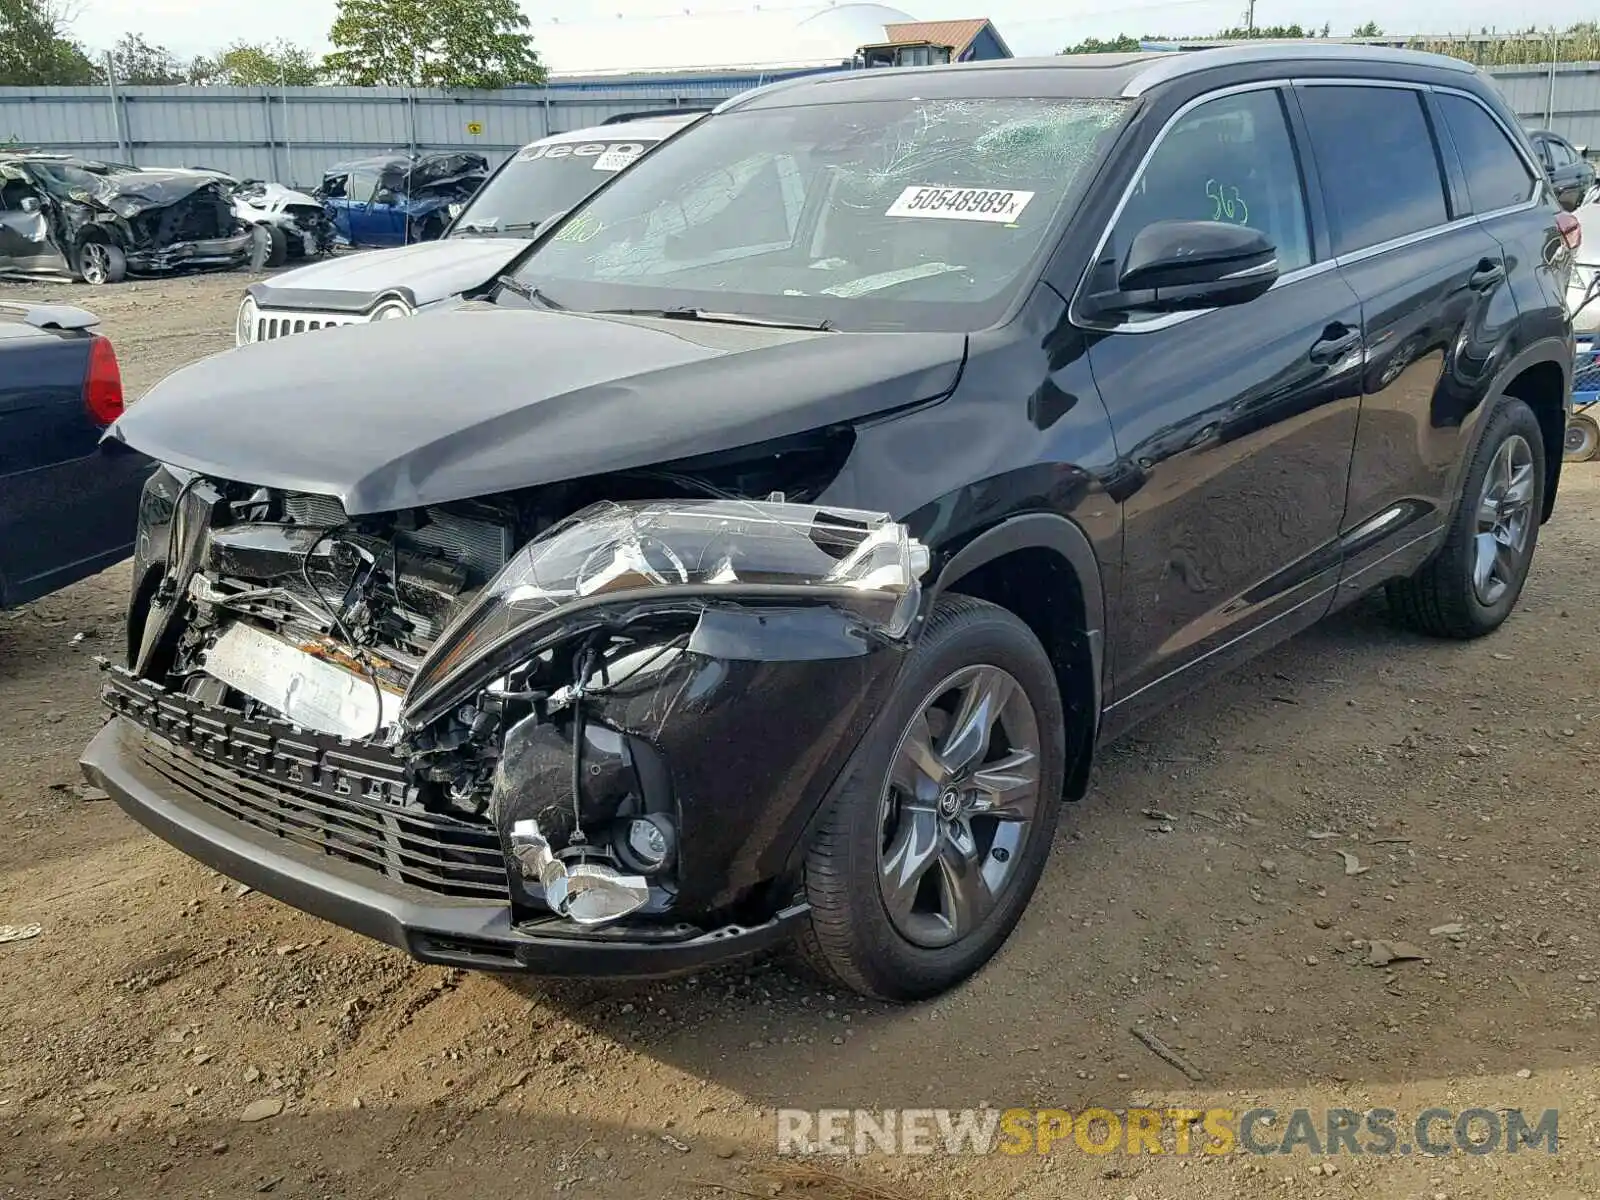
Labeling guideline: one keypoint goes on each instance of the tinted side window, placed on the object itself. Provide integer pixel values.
(1379, 168)
(1229, 159)
(1497, 177)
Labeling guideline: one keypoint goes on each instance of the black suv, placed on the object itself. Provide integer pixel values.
(766, 553)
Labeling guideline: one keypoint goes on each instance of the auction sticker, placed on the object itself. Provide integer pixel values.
(960, 204)
(617, 157)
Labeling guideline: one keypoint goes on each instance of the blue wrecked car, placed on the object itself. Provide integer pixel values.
(397, 199)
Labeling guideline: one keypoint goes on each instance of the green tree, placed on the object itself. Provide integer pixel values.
(136, 61)
(243, 64)
(442, 43)
(1370, 29)
(1121, 44)
(35, 50)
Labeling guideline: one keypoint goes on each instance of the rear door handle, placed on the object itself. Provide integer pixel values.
(1487, 275)
(1336, 341)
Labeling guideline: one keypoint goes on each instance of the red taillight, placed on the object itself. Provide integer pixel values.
(102, 385)
(1571, 232)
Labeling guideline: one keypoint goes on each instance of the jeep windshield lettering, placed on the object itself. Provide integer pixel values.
(542, 180)
(871, 215)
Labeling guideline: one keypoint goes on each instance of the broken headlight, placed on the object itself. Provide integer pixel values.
(610, 554)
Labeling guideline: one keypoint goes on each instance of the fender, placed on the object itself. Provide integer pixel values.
(1545, 350)
(1030, 531)
(1047, 531)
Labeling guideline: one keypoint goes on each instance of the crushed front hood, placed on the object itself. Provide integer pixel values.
(482, 400)
(423, 272)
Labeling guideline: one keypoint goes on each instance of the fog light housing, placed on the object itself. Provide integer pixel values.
(585, 892)
(646, 844)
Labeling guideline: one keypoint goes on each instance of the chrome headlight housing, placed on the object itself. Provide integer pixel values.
(613, 554)
(390, 309)
(244, 329)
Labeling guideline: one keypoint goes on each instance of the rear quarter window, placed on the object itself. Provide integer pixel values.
(1379, 165)
(1497, 176)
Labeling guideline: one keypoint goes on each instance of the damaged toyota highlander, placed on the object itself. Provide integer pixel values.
(763, 555)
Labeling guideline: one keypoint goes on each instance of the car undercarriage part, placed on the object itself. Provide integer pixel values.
(592, 702)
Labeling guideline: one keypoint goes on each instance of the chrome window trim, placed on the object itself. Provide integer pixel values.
(1168, 320)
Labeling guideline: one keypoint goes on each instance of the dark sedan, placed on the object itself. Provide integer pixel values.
(68, 502)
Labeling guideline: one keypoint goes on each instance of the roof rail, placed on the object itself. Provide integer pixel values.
(653, 114)
(1177, 64)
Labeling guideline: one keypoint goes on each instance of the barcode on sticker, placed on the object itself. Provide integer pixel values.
(617, 157)
(960, 204)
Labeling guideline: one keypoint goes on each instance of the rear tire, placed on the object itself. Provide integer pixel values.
(909, 832)
(1582, 440)
(1471, 585)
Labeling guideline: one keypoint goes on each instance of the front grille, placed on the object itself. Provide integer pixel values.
(304, 508)
(269, 327)
(343, 799)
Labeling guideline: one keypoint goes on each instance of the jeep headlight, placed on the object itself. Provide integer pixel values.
(390, 309)
(244, 329)
(611, 554)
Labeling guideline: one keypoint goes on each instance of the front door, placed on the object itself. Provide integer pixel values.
(1236, 424)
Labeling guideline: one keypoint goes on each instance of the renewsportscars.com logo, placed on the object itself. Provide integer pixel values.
(1180, 1131)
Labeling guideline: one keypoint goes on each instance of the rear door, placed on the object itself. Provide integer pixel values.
(1237, 422)
(1436, 306)
(1569, 174)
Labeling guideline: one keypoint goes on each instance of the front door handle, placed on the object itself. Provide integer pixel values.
(1487, 275)
(1336, 341)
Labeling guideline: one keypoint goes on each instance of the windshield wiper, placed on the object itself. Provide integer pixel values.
(722, 318)
(517, 288)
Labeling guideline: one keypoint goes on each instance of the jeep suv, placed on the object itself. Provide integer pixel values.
(766, 554)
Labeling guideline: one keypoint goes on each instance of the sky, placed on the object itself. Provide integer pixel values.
(190, 27)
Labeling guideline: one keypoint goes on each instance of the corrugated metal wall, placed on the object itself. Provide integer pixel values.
(1565, 99)
(268, 133)
(291, 134)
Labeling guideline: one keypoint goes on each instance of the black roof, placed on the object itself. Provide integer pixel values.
(1089, 76)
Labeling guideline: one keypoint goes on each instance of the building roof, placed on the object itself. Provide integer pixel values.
(958, 35)
(777, 38)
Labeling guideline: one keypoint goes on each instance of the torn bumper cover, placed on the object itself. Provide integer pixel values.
(606, 763)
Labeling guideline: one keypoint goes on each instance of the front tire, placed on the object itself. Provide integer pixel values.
(1471, 585)
(936, 841)
(277, 247)
(101, 263)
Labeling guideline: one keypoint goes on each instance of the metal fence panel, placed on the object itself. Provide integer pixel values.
(292, 134)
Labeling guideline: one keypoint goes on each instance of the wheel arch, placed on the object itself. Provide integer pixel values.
(1042, 568)
(1541, 377)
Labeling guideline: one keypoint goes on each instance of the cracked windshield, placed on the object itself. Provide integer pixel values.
(877, 214)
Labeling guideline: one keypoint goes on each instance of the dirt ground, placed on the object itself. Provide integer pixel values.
(158, 1002)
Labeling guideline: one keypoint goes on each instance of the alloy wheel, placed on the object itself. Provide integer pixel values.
(1505, 518)
(95, 264)
(1582, 439)
(959, 805)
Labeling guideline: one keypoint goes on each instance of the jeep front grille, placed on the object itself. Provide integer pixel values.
(269, 327)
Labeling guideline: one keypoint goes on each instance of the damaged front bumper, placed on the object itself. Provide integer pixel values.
(453, 931)
(606, 764)
(225, 252)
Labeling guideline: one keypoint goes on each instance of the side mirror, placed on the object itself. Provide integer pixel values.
(1181, 266)
(383, 196)
(30, 204)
